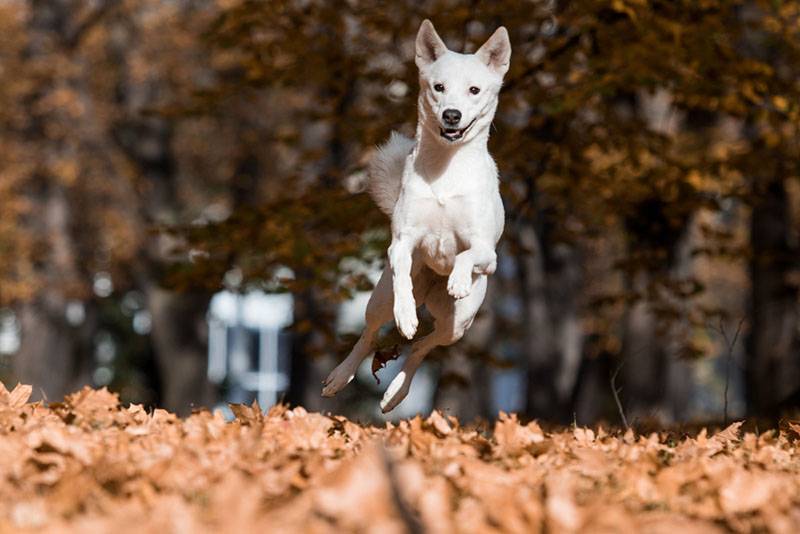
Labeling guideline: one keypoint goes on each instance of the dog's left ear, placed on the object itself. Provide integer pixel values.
(496, 52)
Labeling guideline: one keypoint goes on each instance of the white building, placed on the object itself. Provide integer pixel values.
(248, 346)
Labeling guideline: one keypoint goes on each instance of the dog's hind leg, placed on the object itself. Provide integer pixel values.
(451, 319)
(379, 311)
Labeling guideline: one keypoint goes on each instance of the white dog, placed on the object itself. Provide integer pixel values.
(441, 192)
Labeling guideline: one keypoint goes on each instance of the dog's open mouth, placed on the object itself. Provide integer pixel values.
(454, 134)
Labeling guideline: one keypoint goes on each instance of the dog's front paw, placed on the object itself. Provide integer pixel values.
(459, 284)
(405, 316)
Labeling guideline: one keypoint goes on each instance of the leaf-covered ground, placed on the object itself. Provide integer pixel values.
(91, 465)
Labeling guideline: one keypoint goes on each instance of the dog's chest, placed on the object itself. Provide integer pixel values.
(444, 212)
(439, 252)
(443, 224)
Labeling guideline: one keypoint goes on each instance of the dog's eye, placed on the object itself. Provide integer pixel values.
(474, 90)
(439, 88)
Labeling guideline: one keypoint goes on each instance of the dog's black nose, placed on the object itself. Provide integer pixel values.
(451, 117)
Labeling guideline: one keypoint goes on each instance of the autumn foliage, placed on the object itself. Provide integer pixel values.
(89, 464)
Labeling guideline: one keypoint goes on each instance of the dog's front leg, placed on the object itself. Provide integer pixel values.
(480, 258)
(400, 260)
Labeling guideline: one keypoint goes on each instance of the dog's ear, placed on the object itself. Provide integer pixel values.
(430, 46)
(496, 52)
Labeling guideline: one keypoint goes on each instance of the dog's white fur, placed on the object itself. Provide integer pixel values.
(441, 191)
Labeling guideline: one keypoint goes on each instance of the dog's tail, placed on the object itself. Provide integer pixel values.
(386, 171)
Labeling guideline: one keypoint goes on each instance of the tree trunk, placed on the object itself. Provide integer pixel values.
(180, 349)
(178, 317)
(458, 392)
(45, 356)
(772, 368)
(644, 361)
(312, 359)
(49, 344)
(54, 356)
(592, 397)
(655, 381)
(553, 338)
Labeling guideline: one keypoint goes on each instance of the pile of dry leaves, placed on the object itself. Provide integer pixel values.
(91, 465)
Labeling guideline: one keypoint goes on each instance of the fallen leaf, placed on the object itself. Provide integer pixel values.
(381, 358)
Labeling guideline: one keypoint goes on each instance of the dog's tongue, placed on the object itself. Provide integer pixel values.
(451, 133)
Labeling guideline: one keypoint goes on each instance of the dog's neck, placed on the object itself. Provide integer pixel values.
(433, 155)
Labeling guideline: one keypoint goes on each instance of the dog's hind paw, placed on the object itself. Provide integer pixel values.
(336, 381)
(459, 284)
(396, 392)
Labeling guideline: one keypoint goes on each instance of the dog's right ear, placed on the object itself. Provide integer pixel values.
(496, 52)
(430, 46)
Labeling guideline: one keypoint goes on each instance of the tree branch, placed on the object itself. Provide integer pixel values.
(616, 391)
(75, 37)
(730, 344)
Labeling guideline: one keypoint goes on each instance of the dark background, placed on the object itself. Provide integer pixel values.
(155, 152)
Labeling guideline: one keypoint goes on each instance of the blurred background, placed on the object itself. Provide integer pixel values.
(182, 216)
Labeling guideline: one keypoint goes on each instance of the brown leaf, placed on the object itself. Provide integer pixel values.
(16, 398)
(439, 423)
(381, 358)
(583, 435)
(563, 512)
(92, 406)
(746, 492)
(94, 466)
(794, 427)
(729, 434)
(247, 414)
(514, 439)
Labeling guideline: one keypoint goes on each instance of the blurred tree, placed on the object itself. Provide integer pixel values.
(98, 175)
(165, 145)
(770, 129)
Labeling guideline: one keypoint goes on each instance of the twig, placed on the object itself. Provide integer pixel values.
(616, 391)
(730, 346)
(95, 17)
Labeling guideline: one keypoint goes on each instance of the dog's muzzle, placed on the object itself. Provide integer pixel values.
(454, 134)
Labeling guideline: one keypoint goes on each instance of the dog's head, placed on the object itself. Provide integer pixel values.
(458, 92)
